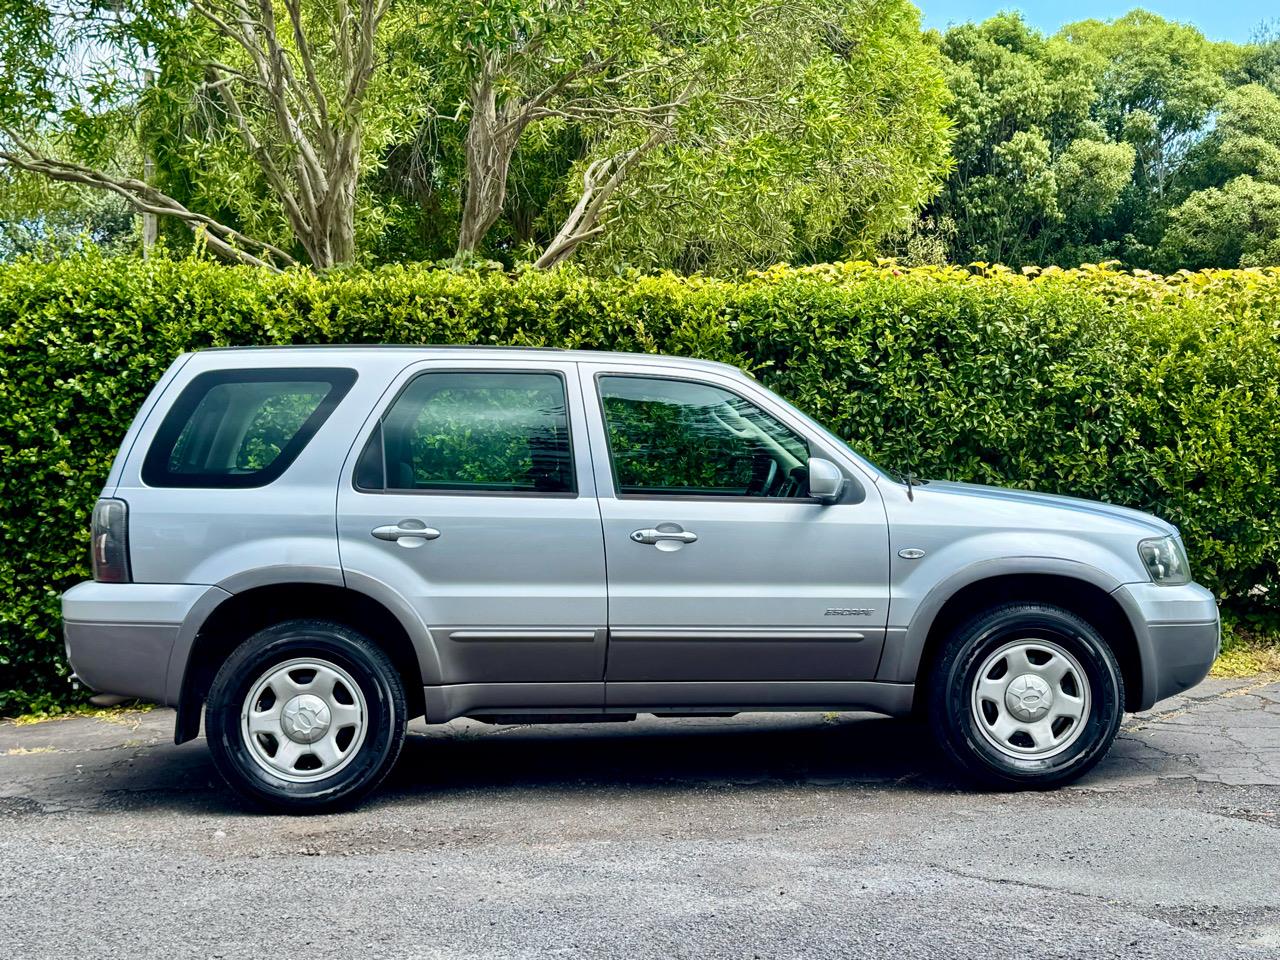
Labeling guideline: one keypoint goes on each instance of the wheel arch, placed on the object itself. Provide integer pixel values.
(386, 619)
(1084, 591)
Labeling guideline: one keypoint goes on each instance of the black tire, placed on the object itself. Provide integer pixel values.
(954, 706)
(334, 644)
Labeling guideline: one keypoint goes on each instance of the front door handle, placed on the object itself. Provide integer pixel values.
(414, 531)
(652, 535)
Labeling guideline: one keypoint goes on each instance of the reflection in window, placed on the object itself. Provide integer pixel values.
(480, 432)
(677, 438)
(241, 428)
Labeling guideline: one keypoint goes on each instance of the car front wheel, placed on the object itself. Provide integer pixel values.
(305, 716)
(1026, 695)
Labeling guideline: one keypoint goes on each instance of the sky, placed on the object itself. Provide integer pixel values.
(1232, 20)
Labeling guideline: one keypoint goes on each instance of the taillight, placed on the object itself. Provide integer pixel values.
(109, 544)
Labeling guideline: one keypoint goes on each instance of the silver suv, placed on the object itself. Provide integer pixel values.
(317, 544)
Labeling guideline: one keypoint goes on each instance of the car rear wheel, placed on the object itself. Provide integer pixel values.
(1026, 695)
(306, 716)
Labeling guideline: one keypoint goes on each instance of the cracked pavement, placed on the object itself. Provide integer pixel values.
(764, 835)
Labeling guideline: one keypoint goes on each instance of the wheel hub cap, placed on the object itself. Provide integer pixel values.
(1028, 697)
(305, 719)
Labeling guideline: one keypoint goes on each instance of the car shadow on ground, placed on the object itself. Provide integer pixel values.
(670, 753)
(844, 750)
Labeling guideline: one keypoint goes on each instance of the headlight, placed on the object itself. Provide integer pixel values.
(1166, 560)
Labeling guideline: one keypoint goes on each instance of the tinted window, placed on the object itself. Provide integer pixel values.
(241, 428)
(678, 438)
(474, 433)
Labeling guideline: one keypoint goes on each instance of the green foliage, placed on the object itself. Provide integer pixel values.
(1260, 59)
(270, 428)
(1237, 224)
(768, 119)
(1076, 147)
(1034, 170)
(691, 439)
(798, 131)
(484, 437)
(691, 461)
(44, 218)
(1156, 81)
(1231, 217)
(1161, 393)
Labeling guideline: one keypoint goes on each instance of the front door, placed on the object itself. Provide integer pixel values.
(471, 496)
(725, 578)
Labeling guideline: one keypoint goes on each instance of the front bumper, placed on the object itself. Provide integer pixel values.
(1178, 633)
(120, 637)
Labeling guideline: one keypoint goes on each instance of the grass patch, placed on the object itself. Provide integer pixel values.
(120, 714)
(1244, 661)
(1247, 653)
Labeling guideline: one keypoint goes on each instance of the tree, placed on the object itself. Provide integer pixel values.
(1237, 225)
(1157, 82)
(1246, 138)
(1232, 218)
(40, 216)
(1077, 146)
(282, 88)
(1033, 171)
(667, 130)
(700, 134)
(1260, 58)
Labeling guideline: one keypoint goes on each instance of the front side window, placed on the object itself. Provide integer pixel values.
(679, 438)
(481, 432)
(242, 428)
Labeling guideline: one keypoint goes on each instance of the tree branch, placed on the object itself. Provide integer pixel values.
(226, 241)
(294, 8)
(583, 221)
(274, 175)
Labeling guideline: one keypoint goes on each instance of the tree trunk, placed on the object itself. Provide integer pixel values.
(492, 136)
(150, 222)
(342, 234)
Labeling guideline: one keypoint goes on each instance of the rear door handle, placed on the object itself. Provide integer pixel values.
(415, 531)
(652, 535)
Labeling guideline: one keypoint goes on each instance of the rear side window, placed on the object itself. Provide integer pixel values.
(242, 428)
(481, 432)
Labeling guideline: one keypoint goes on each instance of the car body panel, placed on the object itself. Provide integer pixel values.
(544, 605)
(139, 422)
(130, 638)
(772, 590)
(513, 588)
(209, 535)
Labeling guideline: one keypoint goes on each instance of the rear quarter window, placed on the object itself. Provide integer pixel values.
(242, 428)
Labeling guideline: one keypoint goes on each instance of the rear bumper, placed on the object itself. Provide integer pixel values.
(1178, 633)
(120, 637)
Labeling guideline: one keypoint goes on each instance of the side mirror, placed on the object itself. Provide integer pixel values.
(826, 481)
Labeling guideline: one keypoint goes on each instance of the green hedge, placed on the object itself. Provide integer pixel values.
(1157, 392)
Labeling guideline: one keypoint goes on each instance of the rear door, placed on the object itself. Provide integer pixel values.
(722, 570)
(470, 494)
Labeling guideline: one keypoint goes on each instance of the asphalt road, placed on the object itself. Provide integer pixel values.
(764, 836)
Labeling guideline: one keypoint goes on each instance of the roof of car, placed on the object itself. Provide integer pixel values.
(466, 351)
